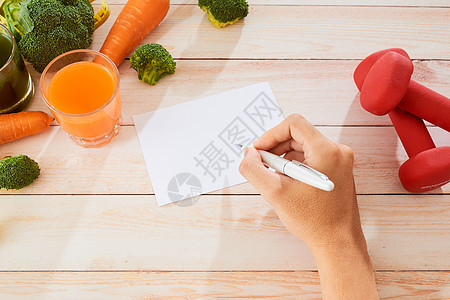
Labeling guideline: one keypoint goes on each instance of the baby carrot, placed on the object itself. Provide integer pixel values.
(22, 124)
(136, 20)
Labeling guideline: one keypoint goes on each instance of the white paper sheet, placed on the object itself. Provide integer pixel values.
(190, 148)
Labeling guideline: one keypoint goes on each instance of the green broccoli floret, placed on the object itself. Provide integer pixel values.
(48, 28)
(224, 12)
(152, 62)
(17, 172)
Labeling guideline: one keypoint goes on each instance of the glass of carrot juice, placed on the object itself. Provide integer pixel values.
(81, 89)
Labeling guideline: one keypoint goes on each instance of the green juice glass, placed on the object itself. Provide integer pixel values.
(16, 86)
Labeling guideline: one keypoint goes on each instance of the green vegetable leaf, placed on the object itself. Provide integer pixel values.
(17, 16)
(24, 18)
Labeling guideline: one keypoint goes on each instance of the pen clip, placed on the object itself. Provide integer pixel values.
(320, 175)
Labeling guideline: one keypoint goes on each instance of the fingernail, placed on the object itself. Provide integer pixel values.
(246, 151)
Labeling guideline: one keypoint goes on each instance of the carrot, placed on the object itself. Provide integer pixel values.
(136, 20)
(22, 124)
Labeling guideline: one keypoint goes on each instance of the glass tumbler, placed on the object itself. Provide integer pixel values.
(16, 86)
(87, 74)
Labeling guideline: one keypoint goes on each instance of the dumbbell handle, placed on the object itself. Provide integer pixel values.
(427, 104)
(412, 132)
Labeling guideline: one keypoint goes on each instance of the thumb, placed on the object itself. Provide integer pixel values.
(253, 169)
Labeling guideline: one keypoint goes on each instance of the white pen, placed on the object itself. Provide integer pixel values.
(297, 170)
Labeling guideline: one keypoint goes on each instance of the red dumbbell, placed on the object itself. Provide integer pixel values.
(428, 167)
(416, 98)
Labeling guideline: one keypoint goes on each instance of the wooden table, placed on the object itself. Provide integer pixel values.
(89, 227)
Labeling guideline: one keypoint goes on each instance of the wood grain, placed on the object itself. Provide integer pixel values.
(206, 285)
(301, 32)
(312, 88)
(216, 233)
(113, 242)
(119, 167)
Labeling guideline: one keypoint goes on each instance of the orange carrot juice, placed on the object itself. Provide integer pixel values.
(80, 91)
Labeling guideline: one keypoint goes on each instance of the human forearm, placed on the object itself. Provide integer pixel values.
(345, 270)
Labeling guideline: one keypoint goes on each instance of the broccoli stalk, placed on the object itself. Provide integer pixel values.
(224, 12)
(17, 172)
(45, 29)
(152, 62)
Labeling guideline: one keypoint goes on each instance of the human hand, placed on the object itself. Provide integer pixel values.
(317, 217)
(328, 222)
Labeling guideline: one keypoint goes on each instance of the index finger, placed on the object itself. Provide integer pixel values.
(294, 127)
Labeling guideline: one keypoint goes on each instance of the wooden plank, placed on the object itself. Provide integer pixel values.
(312, 88)
(306, 32)
(423, 3)
(216, 233)
(119, 167)
(207, 285)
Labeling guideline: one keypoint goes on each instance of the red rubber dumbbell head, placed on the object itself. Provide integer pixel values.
(426, 171)
(386, 83)
(364, 67)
